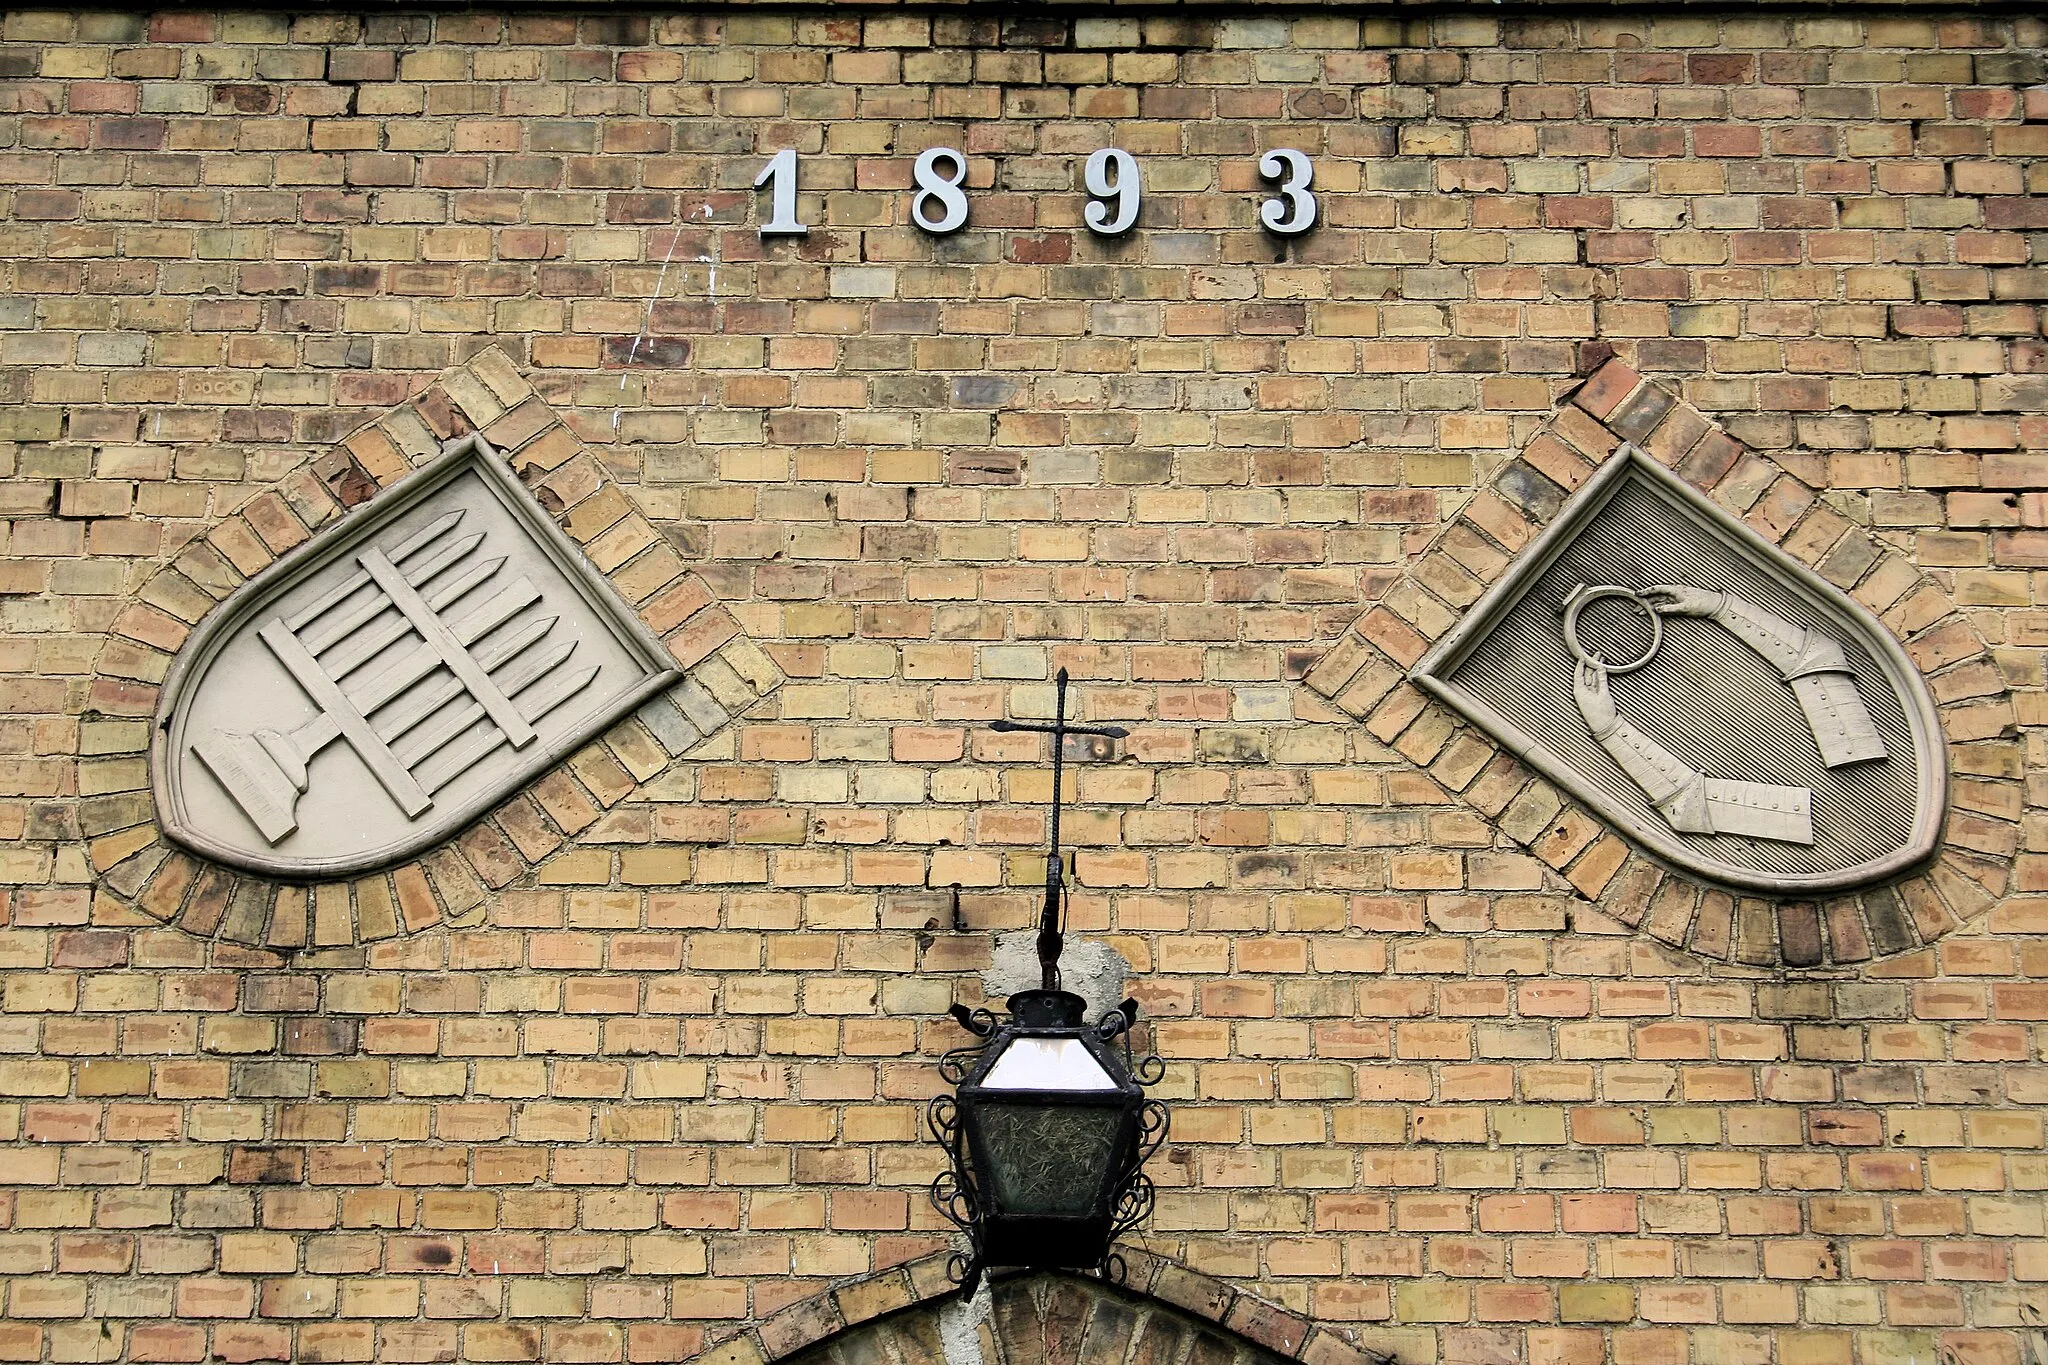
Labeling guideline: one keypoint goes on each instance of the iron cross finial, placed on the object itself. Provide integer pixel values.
(1052, 922)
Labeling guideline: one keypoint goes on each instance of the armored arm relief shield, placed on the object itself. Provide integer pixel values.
(1733, 712)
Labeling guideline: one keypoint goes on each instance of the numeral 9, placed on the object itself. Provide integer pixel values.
(1112, 174)
(1294, 212)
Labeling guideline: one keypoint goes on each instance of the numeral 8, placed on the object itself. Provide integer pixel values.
(944, 191)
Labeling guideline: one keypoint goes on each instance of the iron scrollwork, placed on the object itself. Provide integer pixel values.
(1134, 1194)
(1136, 1191)
(952, 1190)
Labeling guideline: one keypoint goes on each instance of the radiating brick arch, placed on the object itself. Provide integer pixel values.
(1162, 1314)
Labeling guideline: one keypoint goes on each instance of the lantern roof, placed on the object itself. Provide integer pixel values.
(1047, 1064)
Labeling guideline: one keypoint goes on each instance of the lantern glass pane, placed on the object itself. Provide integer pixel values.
(1049, 1161)
(1047, 1064)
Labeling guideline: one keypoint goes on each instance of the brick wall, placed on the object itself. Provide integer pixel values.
(637, 1064)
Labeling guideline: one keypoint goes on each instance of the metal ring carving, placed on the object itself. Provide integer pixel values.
(1584, 598)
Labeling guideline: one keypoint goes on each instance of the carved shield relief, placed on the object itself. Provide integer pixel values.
(1704, 692)
(403, 672)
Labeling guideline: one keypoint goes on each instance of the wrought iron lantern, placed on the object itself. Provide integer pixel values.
(1049, 1127)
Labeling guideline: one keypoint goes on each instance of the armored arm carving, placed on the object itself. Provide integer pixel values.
(1793, 650)
(1673, 787)
(1689, 800)
(1812, 664)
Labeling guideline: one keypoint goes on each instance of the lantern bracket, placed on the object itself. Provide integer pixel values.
(1047, 1129)
(1052, 920)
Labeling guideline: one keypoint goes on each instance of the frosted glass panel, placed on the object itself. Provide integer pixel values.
(1047, 1064)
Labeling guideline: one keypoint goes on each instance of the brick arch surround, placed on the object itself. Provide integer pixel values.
(570, 813)
(1363, 677)
(1163, 1314)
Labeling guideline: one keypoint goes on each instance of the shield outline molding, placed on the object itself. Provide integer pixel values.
(1432, 672)
(353, 529)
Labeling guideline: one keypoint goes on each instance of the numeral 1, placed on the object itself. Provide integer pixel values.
(781, 171)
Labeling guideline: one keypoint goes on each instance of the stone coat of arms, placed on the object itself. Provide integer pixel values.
(1706, 693)
(394, 678)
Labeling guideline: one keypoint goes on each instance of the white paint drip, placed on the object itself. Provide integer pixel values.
(647, 322)
(960, 1325)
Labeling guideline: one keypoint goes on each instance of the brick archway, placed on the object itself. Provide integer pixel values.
(1163, 1314)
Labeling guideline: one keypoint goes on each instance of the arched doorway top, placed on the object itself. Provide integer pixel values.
(1164, 1314)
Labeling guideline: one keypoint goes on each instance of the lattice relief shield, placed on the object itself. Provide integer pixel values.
(1704, 692)
(374, 691)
